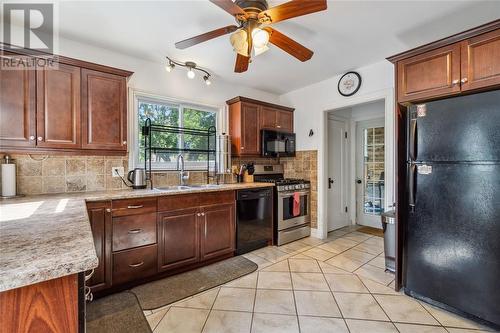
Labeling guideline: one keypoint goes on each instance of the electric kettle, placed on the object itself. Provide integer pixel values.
(138, 178)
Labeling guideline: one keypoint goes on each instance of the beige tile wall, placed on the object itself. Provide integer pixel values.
(60, 174)
(304, 165)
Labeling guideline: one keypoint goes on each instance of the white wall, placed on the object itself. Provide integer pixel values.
(151, 77)
(312, 104)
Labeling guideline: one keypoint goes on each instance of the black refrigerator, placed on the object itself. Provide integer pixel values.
(452, 233)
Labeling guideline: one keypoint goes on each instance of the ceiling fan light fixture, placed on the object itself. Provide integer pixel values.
(259, 50)
(239, 42)
(260, 38)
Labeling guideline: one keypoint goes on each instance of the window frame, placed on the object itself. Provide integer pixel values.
(135, 132)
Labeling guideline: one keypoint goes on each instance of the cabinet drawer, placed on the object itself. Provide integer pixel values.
(134, 264)
(183, 201)
(215, 198)
(127, 207)
(134, 231)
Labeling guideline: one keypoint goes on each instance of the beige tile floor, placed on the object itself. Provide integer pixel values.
(310, 286)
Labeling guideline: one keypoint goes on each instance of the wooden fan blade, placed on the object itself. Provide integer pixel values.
(289, 45)
(291, 9)
(241, 63)
(230, 7)
(206, 36)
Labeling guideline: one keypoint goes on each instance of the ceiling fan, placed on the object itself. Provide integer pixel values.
(253, 33)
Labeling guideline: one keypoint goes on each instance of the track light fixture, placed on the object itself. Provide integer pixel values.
(191, 68)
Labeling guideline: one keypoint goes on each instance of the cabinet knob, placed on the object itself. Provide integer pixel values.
(278, 126)
(198, 214)
(124, 142)
(202, 214)
(242, 148)
(108, 210)
(32, 137)
(464, 80)
(455, 82)
(40, 138)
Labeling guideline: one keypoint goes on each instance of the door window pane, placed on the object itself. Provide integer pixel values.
(373, 170)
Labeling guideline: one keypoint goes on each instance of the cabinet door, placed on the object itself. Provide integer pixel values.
(58, 107)
(17, 106)
(268, 117)
(284, 121)
(432, 74)
(104, 111)
(481, 61)
(101, 225)
(217, 231)
(250, 129)
(178, 239)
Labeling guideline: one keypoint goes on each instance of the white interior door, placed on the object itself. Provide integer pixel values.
(370, 176)
(337, 175)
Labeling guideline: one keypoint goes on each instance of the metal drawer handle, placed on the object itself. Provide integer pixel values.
(135, 207)
(136, 265)
(134, 231)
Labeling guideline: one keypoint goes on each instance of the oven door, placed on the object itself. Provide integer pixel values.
(286, 218)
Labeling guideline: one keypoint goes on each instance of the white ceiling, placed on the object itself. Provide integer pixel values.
(349, 34)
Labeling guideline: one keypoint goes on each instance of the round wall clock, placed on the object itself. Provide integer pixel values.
(349, 83)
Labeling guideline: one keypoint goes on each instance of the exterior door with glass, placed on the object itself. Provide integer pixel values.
(370, 175)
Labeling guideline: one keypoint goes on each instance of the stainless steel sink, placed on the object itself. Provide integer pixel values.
(186, 187)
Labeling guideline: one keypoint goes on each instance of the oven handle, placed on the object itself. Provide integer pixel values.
(289, 194)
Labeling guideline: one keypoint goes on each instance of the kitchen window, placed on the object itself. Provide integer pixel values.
(177, 114)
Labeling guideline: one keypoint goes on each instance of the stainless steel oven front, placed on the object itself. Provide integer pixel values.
(293, 226)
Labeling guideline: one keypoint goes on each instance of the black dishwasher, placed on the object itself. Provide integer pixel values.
(254, 219)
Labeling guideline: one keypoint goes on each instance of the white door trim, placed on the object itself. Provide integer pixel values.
(388, 96)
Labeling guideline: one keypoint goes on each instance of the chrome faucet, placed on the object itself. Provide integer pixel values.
(183, 175)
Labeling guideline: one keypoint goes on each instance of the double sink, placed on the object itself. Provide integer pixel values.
(187, 187)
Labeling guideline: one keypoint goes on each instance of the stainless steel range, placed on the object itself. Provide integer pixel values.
(292, 200)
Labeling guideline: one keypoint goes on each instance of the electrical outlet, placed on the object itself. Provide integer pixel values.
(117, 171)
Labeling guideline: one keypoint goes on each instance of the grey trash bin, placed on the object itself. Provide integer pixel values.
(389, 227)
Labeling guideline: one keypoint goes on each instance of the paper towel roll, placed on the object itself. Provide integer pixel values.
(8, 180)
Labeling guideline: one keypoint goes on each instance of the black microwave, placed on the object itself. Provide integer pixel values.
(277, 144)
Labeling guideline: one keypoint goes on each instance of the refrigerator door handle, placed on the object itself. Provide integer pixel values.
(411, 187)
(413, 140)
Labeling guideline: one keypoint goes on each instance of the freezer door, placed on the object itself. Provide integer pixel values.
(453, 233)
(465, 128)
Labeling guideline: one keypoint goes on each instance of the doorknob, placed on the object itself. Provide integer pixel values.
(358, 181)
(330, 182)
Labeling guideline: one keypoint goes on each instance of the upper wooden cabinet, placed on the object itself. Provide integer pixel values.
(75, 107)
(465, 62)
(58, 107)
(272, 118)
(104, 111)
(481, 61)
(431, 74)
(17, 107)
(247, 117)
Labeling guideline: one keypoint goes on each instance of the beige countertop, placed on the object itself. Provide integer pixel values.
(44, 237)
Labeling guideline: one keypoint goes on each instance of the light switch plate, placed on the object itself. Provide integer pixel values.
(119, 170)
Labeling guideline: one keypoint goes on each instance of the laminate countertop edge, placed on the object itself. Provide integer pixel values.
(44, 237)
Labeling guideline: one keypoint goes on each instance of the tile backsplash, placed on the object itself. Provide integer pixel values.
(59, 174)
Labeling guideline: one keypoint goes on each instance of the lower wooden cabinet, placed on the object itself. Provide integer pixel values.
(134, 264)
(134, 241)
(178, 239)
(217, 231)
(102, 231)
